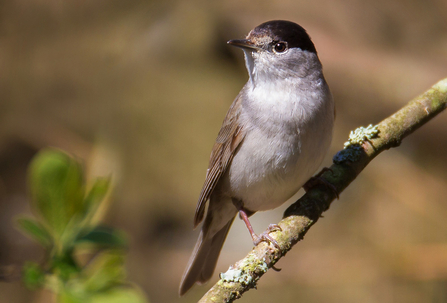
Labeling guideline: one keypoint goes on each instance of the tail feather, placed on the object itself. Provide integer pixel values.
(204, 258)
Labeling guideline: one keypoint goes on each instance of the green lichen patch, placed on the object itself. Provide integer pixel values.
(361, 134)
(353, 147)
(236, 275)
(263, 266)
(245, 274)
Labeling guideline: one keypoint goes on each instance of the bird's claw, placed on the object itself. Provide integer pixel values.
(265, 236)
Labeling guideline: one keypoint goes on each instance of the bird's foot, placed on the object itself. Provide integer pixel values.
(265, 236)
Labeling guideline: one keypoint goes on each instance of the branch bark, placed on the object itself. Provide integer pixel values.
(348, 163)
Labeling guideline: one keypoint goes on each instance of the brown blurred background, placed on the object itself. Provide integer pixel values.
(139, 89)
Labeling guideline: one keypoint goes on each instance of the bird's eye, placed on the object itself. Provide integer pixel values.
(280, 47)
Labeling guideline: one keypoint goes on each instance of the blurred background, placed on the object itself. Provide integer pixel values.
(138, 89)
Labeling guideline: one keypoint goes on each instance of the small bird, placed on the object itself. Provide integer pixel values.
(272, 140)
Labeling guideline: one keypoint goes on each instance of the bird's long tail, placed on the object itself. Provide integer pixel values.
(204, 258)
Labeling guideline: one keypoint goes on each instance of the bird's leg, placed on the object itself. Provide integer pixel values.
(263, 237)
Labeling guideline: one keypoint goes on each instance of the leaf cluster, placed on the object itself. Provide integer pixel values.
(84, 260)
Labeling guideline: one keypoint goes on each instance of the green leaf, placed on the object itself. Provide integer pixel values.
(104, 237)
(105, 271)
(96, 195)
(35, 230)
(33, 276)
(57, 188)
(119, 295)
(64, 266)
(68, 297)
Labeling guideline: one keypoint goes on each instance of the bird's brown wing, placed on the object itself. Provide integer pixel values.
(230, 136)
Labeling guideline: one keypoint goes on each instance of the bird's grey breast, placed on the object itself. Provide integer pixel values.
(285, 140)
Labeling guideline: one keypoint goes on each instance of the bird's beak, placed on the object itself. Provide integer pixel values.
(243, 43)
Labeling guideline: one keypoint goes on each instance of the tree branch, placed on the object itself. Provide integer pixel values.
(348, 163)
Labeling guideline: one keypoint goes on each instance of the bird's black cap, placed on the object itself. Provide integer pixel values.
(280, 30)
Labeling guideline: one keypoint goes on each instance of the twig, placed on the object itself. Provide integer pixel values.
(348, 163)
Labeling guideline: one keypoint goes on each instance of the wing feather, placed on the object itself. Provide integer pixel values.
(230, 136)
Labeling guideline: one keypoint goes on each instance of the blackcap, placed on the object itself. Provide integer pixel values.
(273, 139)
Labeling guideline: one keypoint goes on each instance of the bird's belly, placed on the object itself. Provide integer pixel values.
(266, 171)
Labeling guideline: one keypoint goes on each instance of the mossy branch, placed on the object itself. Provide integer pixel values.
(300, 216)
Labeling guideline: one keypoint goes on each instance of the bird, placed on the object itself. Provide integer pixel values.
(273, 139)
